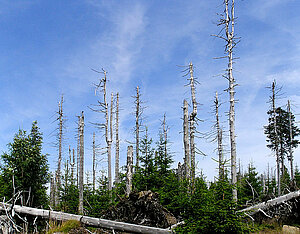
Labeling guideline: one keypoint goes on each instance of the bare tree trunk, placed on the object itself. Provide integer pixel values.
(117, 142)
(276, 139)
(192, 123)
(129, 170)
(52, 191)
(180, 171)
(94, 163)
(108, 124)
(78, 151)
(110, 143)
(68, 177)
(103, 108)
(291, 139)
(137, 126)
(85, 220)
(165, 131)
(60, 133)
(192, 150)
(70, 155)
(186, 140)
(81, 169)
(66, 173)
(263, 177)
(229, 21)
(219, 139)
(73, 166)
(281, 152)
(60, 118)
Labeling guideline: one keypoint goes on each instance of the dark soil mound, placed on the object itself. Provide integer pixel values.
(141, 208)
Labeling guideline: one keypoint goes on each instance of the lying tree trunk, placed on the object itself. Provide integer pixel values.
(276, 201)
(103, 223)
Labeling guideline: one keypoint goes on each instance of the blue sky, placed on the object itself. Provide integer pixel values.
(49, 47)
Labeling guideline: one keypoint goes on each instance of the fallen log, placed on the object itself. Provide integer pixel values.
(96, 222)
(270, 203)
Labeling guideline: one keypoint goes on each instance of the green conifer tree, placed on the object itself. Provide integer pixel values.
(25, 168)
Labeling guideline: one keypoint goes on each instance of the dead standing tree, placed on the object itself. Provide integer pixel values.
(273, 97)
(94, 162)
(78, 149)
(189, 127)
(219, 139)
(60, 119)
(290, 157)
(138, 113)
(81, 163)
(102, 107)
(232, 84)
(57, 181)
(129, 173)
(165, 132)
(186, 143)
(117, 159)
(73, 166)
(192, 120)
(109, 143)
(228, 21)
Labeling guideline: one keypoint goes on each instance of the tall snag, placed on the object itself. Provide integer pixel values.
(290, 157)
(186, 143)
(165, 132)
(276, 137)
(129, 173)
(103, 107)
(219, 139)
(94, 162)
(52, 191)
(138, 113)
(189, 128)
(192, 120)
(78, 149)
(230, 46)
(117, 143)
(81, 162)
(228, 22)
(61, 121)
(109, 143)
(73, 166)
